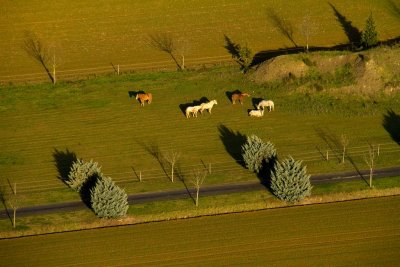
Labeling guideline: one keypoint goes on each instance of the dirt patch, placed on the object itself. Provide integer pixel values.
(278, 68)
(373, 70)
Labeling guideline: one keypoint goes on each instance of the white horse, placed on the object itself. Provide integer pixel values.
(208, 106)
(192, 110)
(256, 113)
(266, 103)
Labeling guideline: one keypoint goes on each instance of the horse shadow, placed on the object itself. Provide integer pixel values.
(183, 107)
(255, 101)
(132, 94)
(230, 93)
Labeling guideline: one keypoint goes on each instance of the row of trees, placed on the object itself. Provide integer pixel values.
(289, 180)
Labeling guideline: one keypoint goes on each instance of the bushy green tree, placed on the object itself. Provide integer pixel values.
(108, 200)
(255, 153)
(81, 172)
(290, 181)
(369, 37)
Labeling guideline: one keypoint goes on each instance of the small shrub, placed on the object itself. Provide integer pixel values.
(81, 172)
(108, 200)
(255, 153)
(290, 181)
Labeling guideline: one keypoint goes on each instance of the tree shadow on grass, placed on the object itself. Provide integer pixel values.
(233, 142)
(87, 187)
(393, 8)
(63, 161)
(391, 123)
(353, 33)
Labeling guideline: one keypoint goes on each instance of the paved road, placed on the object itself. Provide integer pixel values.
(205, 191)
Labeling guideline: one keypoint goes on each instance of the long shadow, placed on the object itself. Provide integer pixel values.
(284, 26)
(63, 161)
(132, 94)
(87, 187)
(183, 107)
(233, 142)
(393, 8)
(334, 144)
(266, 172)
(38, 51)
(255, 101)
(391, 123)
(154, 150)
(352, 33)
(230, 93)
(182, 178)
(3, 199)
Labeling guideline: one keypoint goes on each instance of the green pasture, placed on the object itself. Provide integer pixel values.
(356, 233)
(96, 36)
(43, 127)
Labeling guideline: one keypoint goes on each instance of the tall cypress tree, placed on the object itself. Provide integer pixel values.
(290, 181)
(369, 37)
(108, 200)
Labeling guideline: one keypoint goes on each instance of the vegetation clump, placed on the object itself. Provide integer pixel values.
(108, 200)
(290, 181)
(369, 37)
(256, 153)
(81, 172)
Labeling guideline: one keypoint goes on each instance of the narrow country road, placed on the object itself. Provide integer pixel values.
(205, 191)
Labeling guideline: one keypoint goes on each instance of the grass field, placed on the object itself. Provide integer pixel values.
(91, 36)
(43, 126)
(356, 233)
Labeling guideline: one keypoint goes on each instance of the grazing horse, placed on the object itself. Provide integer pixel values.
(266, 103)
(208, 106)
(238, 97)
(192, 110)
(143, 97)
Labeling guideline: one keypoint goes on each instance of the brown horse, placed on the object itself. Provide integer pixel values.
(238, 97)
(143, 97)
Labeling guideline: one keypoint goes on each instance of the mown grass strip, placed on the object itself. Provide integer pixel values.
(366, 230)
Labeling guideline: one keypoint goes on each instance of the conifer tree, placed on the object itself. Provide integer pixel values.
(369, 37)
(81, 172)
(255, 153)
(108, 200)
(290, 181)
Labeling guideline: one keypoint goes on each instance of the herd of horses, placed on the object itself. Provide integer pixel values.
(194, 110)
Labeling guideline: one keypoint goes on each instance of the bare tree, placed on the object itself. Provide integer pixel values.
(344, 140)
(307, 28)
(164, 42)
(369, 158)
(197, 180)
(36, 49)
(172, 157)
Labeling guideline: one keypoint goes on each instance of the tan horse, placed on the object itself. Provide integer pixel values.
(238, 97)
(143, 97)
